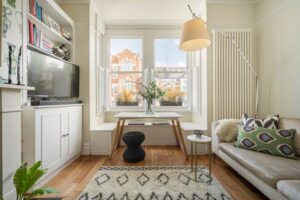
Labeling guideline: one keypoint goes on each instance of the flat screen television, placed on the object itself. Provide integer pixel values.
(51, 77)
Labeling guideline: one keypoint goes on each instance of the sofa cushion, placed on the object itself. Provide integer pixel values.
(270, 122)
(270, 169)
(270, 141)
(227, 130)
(288, 123)
(289, 188)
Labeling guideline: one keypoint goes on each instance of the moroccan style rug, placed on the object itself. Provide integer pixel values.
(153, 183)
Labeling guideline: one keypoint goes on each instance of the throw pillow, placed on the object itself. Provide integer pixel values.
(270, 141)
(227, 130)
(271, 122)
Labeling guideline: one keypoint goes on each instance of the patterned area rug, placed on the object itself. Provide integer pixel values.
(153, 183)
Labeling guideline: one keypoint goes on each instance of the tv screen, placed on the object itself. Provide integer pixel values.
(52, 77)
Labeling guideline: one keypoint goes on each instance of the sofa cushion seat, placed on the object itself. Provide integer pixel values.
(289, 188)
(270, 169)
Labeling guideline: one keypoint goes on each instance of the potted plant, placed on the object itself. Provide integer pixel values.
(173, 97)
(25, 179)
(127, 98)
(149, 93)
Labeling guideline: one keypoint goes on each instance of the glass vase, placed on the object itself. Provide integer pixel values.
(149, 107)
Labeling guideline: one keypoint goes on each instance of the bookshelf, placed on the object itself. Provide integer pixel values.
(40, 36)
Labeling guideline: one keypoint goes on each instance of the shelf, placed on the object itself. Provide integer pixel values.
(56, 12)
(32, 47)
(50, 34)
(16, 87)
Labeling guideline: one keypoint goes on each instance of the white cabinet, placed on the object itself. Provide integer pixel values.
(51, 135)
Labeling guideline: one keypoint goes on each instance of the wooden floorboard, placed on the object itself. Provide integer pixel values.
(73, 179)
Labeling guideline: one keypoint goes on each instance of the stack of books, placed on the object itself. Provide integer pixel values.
(36, 38)
(36, 10)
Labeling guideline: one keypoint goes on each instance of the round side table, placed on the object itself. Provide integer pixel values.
(199, 140)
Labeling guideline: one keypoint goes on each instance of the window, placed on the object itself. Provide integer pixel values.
(125, 71)
(171, 72)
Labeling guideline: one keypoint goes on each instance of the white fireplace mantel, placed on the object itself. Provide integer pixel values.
(10, 136)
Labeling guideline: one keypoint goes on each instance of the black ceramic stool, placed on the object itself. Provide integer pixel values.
(134, 152)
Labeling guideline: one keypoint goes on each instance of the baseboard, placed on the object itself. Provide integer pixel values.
(86, 149)
(12, 195)
(54, 173)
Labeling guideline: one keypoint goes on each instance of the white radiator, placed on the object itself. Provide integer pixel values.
(233, 79)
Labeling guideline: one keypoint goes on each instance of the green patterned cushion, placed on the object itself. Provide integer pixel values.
(270, 141)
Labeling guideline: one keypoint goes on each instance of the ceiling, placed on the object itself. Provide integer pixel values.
(147, 12)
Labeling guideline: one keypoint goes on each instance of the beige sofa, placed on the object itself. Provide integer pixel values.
(276, 177)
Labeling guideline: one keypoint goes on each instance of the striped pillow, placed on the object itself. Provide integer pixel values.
(271, 122)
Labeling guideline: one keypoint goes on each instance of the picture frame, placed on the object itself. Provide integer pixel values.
(54, 25)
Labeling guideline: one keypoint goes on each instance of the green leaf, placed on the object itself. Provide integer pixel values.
(41, 191)
(19, 179)
(34, 173)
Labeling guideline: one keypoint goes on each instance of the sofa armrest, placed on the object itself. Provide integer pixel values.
(214, 137)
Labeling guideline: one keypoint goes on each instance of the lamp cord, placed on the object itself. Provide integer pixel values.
(194, 15)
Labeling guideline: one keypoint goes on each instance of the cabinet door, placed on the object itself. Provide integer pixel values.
(75, 130)
(51, 140)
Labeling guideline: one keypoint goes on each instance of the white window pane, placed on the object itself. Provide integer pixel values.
(175, 86)
(168, 57)
(124, 89)
(126, 68)
(171, 72)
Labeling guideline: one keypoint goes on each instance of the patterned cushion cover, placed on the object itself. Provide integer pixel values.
(271, 122)
(270, 141)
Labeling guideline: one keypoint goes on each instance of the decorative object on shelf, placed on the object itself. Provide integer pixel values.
(127, 98)
(194, 34)
(198, 133)
(149, 93)
(25, 179)
(54, 25)
(173, 97)
(57, 51)
(11, 49)
(18, 66)
(66, 34)
(66, 52)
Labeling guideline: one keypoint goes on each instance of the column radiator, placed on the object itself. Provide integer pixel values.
(233, 81)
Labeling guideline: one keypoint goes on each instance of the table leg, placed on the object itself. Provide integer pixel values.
(115, 139)
(121, 132)
(209, 159)
(181, 138)
(195, 157)
(192, 163)
(175, 132)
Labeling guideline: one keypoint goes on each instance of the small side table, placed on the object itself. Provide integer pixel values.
(199, 140)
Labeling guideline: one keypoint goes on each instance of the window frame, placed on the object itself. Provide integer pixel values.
(148, 62)
(109, 105)
(189, 82)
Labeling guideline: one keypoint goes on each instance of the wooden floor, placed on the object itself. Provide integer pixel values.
(73, 179)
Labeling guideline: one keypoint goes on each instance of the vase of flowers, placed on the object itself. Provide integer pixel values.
(149, 93)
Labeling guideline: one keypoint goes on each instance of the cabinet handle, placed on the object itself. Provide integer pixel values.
(63, 136)
(67, 134)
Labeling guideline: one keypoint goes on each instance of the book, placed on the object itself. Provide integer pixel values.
(30, 31)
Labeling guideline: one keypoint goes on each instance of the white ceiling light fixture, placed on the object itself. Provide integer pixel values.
(195, 35)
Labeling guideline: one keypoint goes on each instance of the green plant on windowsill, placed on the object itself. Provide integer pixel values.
(25, 179)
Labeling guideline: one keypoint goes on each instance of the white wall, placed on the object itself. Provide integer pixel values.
(278, 31)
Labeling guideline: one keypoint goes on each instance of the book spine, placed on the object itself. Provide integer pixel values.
(31, 37)
(33, 7)
(34, 35)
